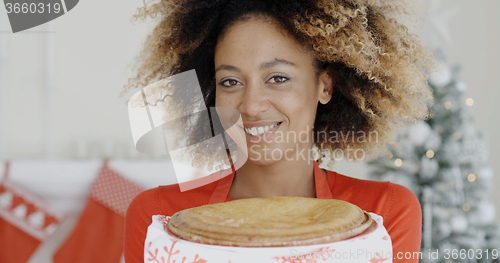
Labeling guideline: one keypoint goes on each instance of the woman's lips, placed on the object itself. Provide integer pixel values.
(258, 134)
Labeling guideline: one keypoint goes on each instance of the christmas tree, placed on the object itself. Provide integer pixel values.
(443, 160)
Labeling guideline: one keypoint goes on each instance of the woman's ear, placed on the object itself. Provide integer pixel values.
(325, 87)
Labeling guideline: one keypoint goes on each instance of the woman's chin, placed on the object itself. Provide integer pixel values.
(262, 157)
(261, 161)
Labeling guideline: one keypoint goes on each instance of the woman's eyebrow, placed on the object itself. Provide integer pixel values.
(275, 62)
(227, 67)
(263, 65)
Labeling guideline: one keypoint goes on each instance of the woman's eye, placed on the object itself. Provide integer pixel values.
(278, 79)
(229, 82)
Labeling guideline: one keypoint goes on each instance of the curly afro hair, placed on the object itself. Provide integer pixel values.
(378, 67)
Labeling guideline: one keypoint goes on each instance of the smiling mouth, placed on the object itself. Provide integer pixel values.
(255, 131)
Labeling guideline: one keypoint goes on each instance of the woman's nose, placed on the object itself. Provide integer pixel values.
(254, 100)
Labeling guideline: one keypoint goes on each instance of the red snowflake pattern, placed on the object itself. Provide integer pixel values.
(164, 219)
(311, 257)
(378, 258)
(171, 252)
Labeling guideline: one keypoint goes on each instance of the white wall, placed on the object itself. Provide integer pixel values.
(94, 43)
(476, 37)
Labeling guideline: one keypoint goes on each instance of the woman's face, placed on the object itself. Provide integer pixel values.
(270, 79)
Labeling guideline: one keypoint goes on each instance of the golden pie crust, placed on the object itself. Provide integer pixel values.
(270, 222)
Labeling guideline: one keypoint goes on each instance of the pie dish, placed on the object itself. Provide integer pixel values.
(270, 222)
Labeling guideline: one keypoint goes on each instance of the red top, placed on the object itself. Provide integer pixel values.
(397, 205)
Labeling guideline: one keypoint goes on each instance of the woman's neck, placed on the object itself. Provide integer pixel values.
(282, 178)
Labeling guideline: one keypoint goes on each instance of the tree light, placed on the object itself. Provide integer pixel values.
(447, 105)
(471, 177)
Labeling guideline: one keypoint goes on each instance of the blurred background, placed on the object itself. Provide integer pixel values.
(61, 116)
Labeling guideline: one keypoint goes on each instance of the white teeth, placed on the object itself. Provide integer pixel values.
(259, 130)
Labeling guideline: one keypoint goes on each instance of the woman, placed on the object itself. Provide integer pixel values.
(335, 74)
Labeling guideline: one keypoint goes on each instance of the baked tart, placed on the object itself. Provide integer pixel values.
(270, 222)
